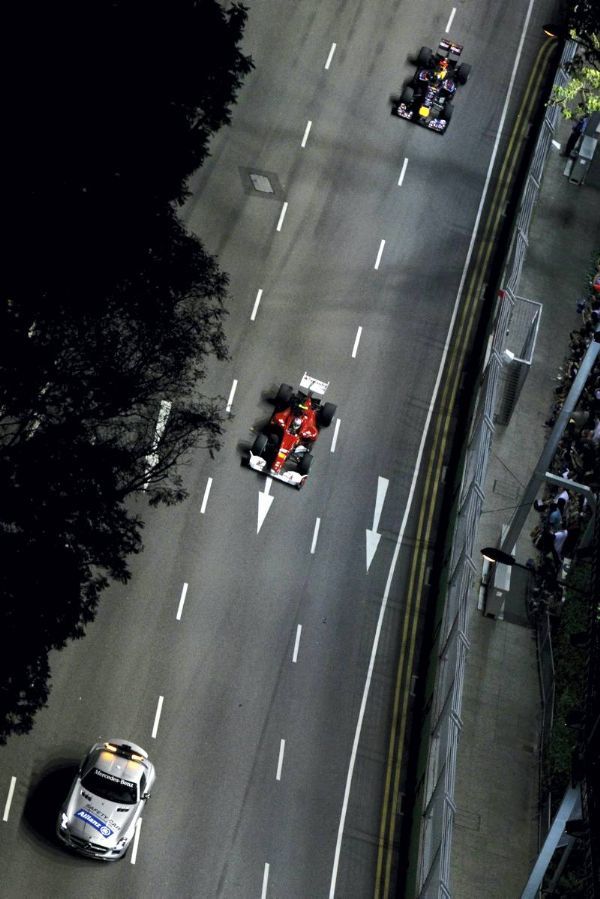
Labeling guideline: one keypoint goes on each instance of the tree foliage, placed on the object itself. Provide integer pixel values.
(110, 308)
(581, 95)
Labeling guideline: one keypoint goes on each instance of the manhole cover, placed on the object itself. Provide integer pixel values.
(261, 183)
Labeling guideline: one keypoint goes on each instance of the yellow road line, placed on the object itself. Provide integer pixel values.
(434, 467)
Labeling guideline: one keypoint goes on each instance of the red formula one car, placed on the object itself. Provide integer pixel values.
(283, 450)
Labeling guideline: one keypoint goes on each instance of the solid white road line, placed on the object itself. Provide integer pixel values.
(403, 172)
(280, 760)
(282, 216)
(306, 133)
(136, 840)
(9, 798)
(315, 535)
(451, 19)
(181, 602)
(424, 437)
(263, 894)
(157, 716)
(256, 305)
(335, 435)
(231, 396)
(330, 57)
(296, 644)
(356, 342)
(205, 497)
(379, 254)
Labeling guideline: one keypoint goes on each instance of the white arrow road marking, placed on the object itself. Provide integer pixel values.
(306, 133)
(181, 602)
(159, 706)
(152, 458)
(263, 894)
(136, 840)
(296, 644)
(256, 305)
(264, 504)
(205, 498)
(9, 798)
(280, 761)
(373, 537)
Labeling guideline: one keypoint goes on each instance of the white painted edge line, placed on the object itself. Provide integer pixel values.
(206, 495)
(136, 840)
(379, 254)
(330, 57)
(181, 602)
(403, 171)
(315, 535)
(157, 716)
(356, 341)
(280, 760)
(9, 798)
(306, 133)
(256, 305)
(263, 893)
(363, 704)
(231, 396)
(336, 431)
(296, 644)
(451, 19)
(282, 215)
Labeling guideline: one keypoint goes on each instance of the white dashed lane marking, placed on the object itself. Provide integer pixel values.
(280, 760)
(296, 644)
(157, 716)
(451, 19)
(206, 495)
(315, 536)
(306, 133)
(181, 602)
(256, 305)
(282, 216)
(330, 57)
(231, 396)
(379, 254)
(335, 435)
(136, 840)
(9, 798)
(403, 172)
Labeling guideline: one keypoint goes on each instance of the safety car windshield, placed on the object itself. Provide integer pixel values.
(109, 787)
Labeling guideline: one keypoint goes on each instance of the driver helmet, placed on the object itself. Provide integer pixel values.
(295, 425)
(442, 68)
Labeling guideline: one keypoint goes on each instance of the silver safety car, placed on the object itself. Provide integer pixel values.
(99, 816)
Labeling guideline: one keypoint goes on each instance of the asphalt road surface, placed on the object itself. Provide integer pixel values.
(258, 646)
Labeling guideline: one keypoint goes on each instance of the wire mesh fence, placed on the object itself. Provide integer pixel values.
(513, 314)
